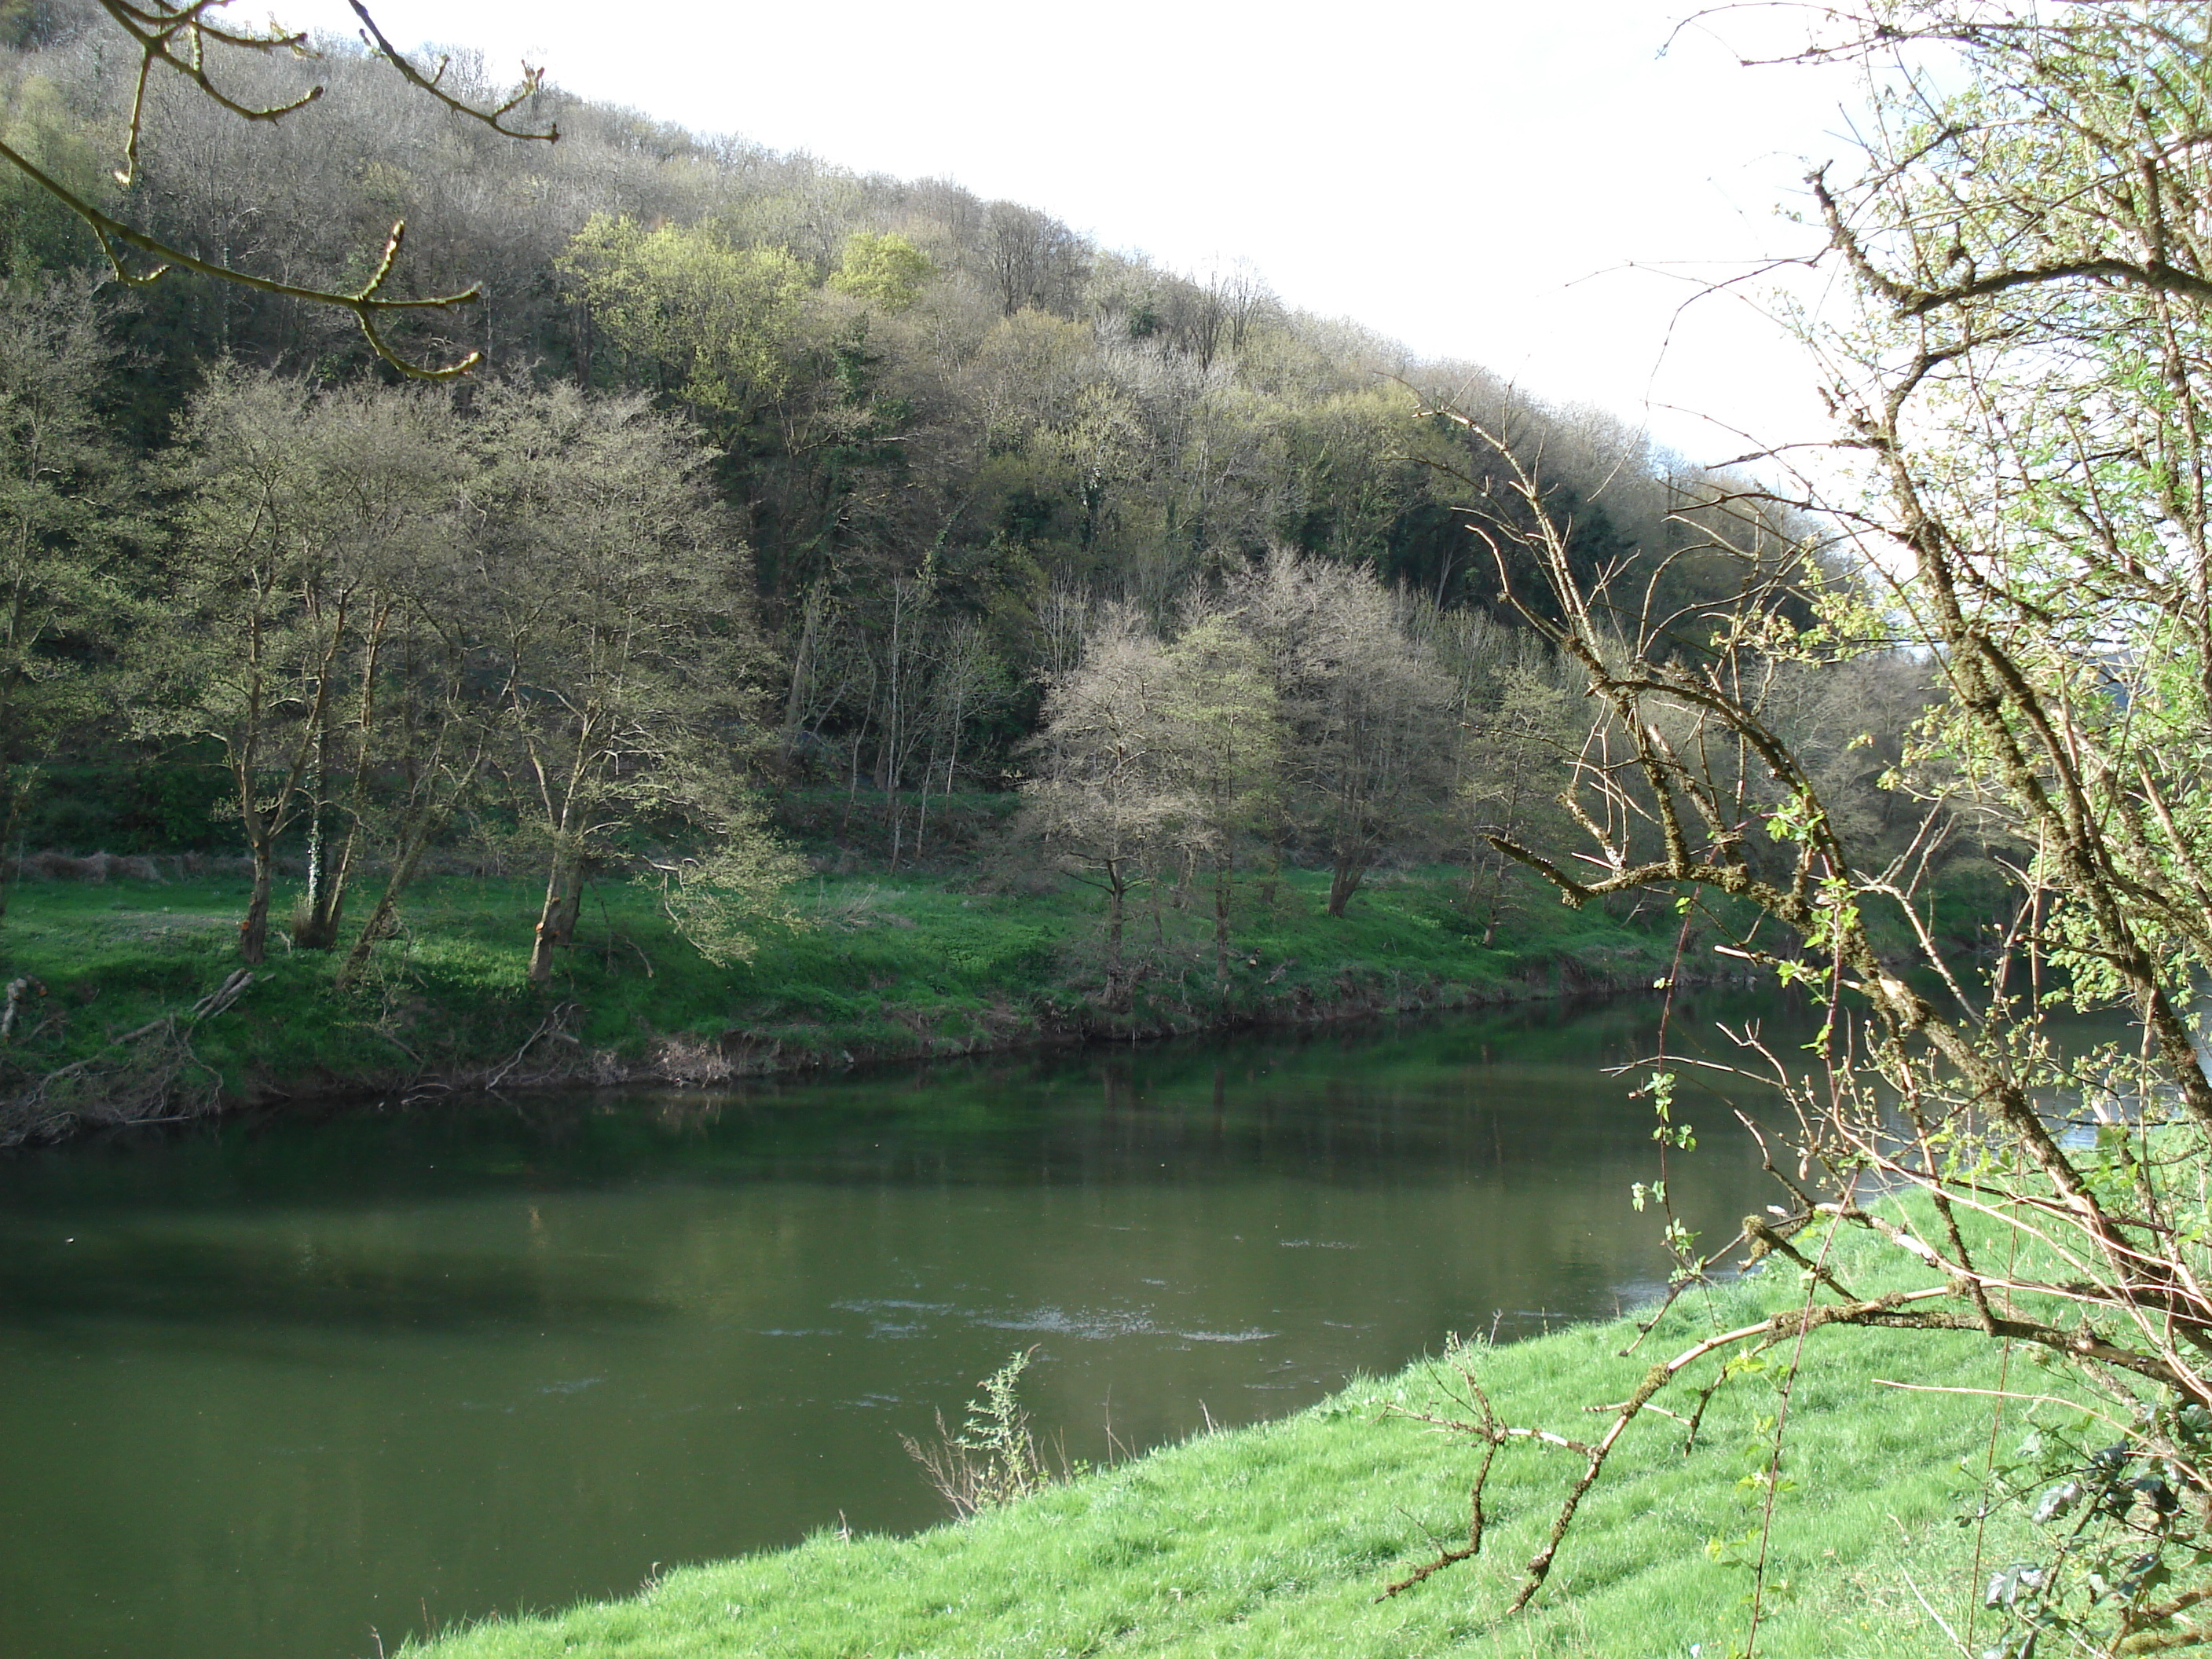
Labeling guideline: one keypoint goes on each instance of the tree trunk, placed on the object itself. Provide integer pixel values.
(1511, 831)
(1222, 879)
(852, 787)
(254, 931)
(380, 918)
(802, 668)
(311, 896)
(556, 922)
(321, 912)
(1115, 989)
(922, 811)
(19, 791)
(1344, 879)
(387, 906)
(315, 925)
(422, 821)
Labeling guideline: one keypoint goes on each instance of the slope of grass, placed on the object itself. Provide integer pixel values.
(883, 968)
(1277, 1539)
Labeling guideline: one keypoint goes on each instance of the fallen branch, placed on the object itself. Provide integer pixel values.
(19, 992)
(143, 1076)
(553, 1025)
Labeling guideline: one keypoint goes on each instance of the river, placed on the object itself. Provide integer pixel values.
(288, 1389)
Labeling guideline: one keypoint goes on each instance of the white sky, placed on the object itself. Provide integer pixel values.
(1475, 178)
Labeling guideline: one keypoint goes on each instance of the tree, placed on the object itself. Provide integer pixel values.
(1097, 799)
(1221, 753)
(384, 471)
(65, 525)
(441, 715)
(443, 687)
(300, 514)
(1519, 721)
(2022, 382)
(709, 322)
(1295, 707)
(1371, 738)
(1030, 258)
(967, 683)
(722, 903)
(886, 269)
(393, 603)
(622, 627)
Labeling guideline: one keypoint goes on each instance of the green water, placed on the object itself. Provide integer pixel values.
(285, 1389)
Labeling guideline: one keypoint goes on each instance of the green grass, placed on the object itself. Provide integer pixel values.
(887, 968)
(1276, 1540)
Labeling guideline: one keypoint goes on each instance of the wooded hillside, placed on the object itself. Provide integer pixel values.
(839, 479)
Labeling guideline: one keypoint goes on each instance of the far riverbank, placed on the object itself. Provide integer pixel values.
(131, 1009)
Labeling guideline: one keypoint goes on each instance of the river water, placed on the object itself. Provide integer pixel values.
(287, 1389)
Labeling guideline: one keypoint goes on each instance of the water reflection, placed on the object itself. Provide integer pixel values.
(276, 1384)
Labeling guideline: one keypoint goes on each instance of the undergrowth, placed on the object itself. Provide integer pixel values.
(995, 1457)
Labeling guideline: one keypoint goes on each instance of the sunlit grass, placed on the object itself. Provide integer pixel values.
(1277, 1539)
(884, 967)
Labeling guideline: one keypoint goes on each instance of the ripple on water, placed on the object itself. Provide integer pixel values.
(1091, 1325)
(1105, 1325)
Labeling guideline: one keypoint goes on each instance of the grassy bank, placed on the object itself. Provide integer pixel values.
(1276, 1540)
(881, 968)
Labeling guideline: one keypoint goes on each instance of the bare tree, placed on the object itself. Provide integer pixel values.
(622, 629)
(1371, 736)
(1097, 798)
(294, 506)
(1521, 723)
(386, 467)
(1221, 753)
(1033, 261)
(969, 683)
(2022, 382)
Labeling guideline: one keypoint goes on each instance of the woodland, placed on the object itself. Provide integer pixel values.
(775, 495)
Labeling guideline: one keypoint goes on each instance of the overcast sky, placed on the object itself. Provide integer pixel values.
(1533, 187)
